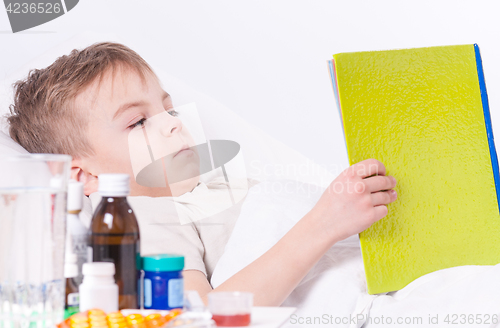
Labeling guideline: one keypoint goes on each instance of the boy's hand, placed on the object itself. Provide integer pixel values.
(355, 200)
(351, 204)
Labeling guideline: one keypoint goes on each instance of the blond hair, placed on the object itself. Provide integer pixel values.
(43, 118)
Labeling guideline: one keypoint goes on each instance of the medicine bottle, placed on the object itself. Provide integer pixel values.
(163, 281)
(72, 297)
(98, 289)
(77, 233)
(114, 236)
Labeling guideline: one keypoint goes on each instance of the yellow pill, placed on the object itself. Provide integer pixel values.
(118, 325)
(153, 316)
(155, 323)
(135, 321)
(99, 321)
(116, 317)
(116, 314)
(113, 319)
(99, 324)
(172, 314)
(78, 318)
(97, 317)
(176, 311)
(138, 325)
(80, 325)
(96, 312)
(135, 316)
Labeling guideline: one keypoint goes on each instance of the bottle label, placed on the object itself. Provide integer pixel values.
(73, 299)
(175, 293)
(148, 293)
(80, 248)
(72, 305)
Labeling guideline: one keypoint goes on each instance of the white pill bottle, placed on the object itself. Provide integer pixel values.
(98, 289)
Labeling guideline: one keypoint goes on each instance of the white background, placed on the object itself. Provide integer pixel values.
(266, 60)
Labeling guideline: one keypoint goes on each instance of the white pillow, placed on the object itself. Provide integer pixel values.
(264, 157)
(9, 147)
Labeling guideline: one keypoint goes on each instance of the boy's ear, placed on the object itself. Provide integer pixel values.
(78, 173)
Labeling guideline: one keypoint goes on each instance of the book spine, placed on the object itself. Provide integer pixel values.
(487, 121)
(335, 86)
(333, 76)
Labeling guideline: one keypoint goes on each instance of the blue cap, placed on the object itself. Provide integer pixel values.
(163, 262)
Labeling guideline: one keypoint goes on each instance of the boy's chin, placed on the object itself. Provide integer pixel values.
(157, 173)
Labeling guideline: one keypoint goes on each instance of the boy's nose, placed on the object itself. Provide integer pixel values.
(171, 125)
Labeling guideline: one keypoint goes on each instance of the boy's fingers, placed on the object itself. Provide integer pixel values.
(383, 197)
(380, 211)
(377, 183)
(369, 167)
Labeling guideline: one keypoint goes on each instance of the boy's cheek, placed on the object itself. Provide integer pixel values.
(112, 156)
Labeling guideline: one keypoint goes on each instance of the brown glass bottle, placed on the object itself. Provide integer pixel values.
(114, 237)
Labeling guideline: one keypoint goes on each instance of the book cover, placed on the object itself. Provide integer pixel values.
(424, 113)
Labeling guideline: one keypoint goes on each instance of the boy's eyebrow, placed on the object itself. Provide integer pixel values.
(123, 108)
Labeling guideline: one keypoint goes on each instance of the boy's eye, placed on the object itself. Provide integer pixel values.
(143, 120)
(173, 113)
(138, 123)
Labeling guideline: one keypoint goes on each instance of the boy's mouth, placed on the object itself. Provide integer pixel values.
(153, 173)
(183, 148)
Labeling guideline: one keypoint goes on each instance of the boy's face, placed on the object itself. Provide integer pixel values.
(121, 103)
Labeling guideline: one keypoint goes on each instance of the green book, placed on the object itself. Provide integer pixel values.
(423, 113)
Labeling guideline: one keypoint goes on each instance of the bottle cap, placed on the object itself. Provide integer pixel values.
(163, 262)
(75, 195)
(70, 258)
(98, 269)
(70, 266)
(114, 184)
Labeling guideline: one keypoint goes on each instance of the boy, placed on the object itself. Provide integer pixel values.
(87, 104)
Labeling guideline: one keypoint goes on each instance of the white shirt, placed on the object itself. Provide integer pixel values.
(196, 224)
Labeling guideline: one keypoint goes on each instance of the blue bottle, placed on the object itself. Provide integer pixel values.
(163, 281)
